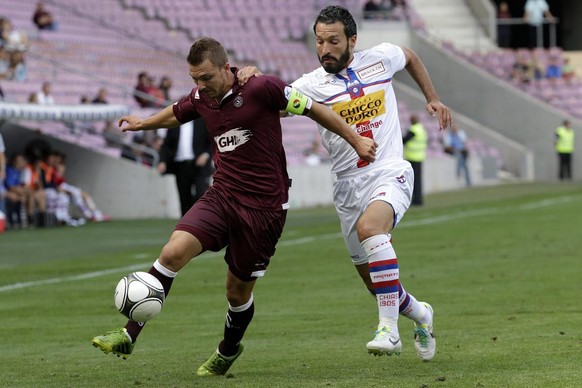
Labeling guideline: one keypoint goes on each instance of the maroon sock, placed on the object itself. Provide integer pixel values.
(134, 328)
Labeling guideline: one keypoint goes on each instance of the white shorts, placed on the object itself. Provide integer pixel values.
(391, 182)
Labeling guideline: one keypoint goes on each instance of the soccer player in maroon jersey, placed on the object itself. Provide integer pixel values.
(245, 208)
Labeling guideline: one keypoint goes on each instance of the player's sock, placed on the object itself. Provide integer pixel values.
(237, 321)
(166, 277)
(383, 266)
(411, 308)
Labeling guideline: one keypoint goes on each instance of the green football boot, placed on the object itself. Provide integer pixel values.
(218, 365)
(116, 341)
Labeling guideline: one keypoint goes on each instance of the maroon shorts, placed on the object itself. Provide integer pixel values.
(250, 235)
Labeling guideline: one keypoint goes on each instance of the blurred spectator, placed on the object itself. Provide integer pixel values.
(44, 96)
(43, 19)
(537, 70)
(1, 94)
(156, 93)
(567, 70)
(12, 65)
(143, 87)
(87, 126)
(113, 135)
(13, 40)
(57, 201)
(384, 9)
(32, 98)
(187, 154)
(564, 143)
(36, 151)
(554, 69)
(101, 97)
(2, 175)
(4, 63)
(371, 9)
(2, 26)
(503, 29)
(535, 13)
(521, 71)
(17, 67)
(16, 193)
(415, 142)
(455, 143)
(134, 151)
(165, 86)
(313, 154)
(82, 201)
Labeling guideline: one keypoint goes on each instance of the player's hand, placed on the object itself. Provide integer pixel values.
(442, 112)
(132, 123)
(247, 73)
(162, 167)
(366, 149)
(202, 159)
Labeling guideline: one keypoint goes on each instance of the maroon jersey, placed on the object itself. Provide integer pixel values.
(251, 166)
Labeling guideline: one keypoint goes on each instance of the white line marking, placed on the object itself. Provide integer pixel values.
(304, 240)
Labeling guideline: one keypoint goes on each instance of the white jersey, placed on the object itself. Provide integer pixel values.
(363, 96)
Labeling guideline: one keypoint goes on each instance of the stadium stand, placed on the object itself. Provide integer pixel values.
(96, 47)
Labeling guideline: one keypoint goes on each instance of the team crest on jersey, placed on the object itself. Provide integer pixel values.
(355, 88)
(238, 101)
(372, 70)
(401, 179)
(232, 139)
(363, 109)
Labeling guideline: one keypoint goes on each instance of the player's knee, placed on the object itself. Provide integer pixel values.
(238, 294)
(235, 297)
(367, 229)
(173, 257)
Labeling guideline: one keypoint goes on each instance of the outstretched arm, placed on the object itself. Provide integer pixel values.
(364, 146)
(418, 72)
(163, 119)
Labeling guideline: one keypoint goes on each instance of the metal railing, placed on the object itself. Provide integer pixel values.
(551, 23)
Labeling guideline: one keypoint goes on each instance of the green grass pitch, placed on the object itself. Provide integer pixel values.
(502, 267)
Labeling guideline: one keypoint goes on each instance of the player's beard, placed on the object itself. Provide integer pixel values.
(337, 65)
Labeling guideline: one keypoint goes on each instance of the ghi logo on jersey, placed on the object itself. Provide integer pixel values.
(362, 109)
(230, 140)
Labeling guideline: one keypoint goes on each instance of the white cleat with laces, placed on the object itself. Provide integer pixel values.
(385, 342)
(424, 338)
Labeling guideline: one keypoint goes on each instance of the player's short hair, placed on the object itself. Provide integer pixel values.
(207, 48)
(336, 13)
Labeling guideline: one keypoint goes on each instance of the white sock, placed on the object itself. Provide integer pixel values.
(413, 309)
(163, 270)
(383, 266)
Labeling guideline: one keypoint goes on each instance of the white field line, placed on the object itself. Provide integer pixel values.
(305, 240)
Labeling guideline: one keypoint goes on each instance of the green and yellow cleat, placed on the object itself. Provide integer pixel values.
(218, 365)
(116, 341)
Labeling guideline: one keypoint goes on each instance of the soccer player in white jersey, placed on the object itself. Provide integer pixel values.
(372, 198)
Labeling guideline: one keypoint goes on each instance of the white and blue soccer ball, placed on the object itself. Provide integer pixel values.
(139, 296)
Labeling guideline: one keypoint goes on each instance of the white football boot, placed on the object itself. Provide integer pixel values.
(423, 337)
(385, 342)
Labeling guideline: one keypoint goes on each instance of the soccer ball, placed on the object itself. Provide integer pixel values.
(139, 296)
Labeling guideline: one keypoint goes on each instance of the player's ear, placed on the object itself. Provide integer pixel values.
(352, 41)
